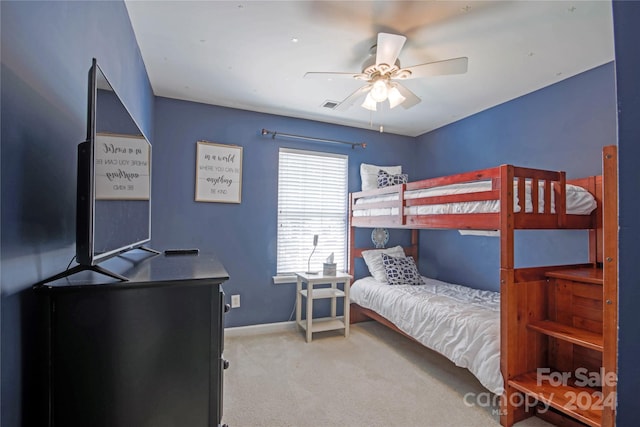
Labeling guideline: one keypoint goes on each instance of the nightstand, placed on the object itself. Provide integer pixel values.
(313, 292)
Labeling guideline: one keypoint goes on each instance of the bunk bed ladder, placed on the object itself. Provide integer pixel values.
(558, 320)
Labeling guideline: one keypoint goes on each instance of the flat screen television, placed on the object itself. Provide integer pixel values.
(114, 179)
(113, 210)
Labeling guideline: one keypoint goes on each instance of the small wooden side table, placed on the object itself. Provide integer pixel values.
(312, 292)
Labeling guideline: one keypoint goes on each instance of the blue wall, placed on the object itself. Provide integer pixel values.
(626, 16)
(47, 48)
(560, 127)
(244, 235)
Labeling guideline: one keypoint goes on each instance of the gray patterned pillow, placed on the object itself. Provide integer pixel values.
(385, 179)
(401, 271)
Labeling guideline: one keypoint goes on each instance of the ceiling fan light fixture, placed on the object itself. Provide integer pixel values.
(381, 71)
(395, 97)
(369, 103)
(379, 90)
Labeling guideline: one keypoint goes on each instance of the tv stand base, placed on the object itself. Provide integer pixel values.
(78, 269)
(153, 251)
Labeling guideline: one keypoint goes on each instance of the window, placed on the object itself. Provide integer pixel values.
(312, 199)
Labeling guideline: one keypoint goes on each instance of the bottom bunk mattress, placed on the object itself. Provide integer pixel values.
(458, 322)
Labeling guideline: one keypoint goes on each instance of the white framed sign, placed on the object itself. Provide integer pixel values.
(122, 167)
(218, 172)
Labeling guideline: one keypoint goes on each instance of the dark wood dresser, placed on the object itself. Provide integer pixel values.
(142, 353)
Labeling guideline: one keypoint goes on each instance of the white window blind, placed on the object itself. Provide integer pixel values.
(312, 199)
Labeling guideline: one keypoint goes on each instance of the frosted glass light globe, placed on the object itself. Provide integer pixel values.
(395, 97)
(379, 91)
(369, 103)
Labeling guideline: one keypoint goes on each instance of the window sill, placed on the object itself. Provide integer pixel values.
(280, 280)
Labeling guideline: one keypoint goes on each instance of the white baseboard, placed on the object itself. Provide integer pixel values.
(266, 328)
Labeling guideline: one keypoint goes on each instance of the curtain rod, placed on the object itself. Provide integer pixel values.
(311, 138)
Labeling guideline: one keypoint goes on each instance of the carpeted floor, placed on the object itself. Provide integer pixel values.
(375, 377)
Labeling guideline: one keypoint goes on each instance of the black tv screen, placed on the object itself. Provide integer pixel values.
(114, 178)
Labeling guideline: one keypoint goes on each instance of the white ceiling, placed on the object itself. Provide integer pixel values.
(241, 54)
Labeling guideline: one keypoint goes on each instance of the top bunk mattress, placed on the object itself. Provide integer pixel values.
(579, 201)
(458, 322)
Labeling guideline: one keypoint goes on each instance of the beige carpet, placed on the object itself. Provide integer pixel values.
(375, 377)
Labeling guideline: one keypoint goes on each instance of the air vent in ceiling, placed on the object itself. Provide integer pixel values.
(330, 104)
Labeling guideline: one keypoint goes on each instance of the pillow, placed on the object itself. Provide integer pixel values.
(369, 174)
(373, 259)
(385, 179)
(401, 271)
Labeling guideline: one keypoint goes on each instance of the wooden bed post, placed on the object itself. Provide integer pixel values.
(506, 217)
(351, 240)
(610, 276)
(596, 236)
(509, 414)
(414, 243)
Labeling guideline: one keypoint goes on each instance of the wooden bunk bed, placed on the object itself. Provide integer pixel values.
(552, 318)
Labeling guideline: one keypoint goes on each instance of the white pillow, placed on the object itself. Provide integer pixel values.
(369, 174)
(373, 259)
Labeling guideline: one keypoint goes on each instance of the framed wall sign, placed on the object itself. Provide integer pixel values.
(218, 172)
(122, 167)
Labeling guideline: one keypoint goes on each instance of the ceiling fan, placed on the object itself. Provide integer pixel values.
(382, 70)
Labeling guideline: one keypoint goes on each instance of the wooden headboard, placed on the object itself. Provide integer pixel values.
(411, 250)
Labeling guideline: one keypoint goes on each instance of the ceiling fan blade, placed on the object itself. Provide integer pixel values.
(411, 98)
(439, 68)
(351, 99)
(388, 48)
(328, 76)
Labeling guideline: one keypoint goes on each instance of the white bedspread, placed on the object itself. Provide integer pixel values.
(458, 322)
(579, 201)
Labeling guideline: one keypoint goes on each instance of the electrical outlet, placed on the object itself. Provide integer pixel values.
(235, 301)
